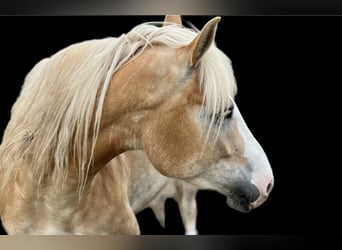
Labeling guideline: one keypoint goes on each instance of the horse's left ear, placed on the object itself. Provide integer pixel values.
(202, 42)
(169, 19)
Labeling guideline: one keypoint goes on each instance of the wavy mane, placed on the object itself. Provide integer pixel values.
(60, 104)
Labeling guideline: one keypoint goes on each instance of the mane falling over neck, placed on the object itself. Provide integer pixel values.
(56, 120)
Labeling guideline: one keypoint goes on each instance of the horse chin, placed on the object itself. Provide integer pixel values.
(241, 205)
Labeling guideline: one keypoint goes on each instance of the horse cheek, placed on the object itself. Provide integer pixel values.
(172, 144)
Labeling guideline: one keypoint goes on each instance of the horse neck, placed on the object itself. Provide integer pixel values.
(120, 121)
(114, 138)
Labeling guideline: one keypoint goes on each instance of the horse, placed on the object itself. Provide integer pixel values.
(162, 88)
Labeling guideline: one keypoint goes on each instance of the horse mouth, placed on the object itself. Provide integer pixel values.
(243, 200)
(241, 205)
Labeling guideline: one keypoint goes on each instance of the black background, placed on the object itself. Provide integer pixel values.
(288, 71)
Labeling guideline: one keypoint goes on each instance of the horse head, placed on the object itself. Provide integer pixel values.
(181, 108)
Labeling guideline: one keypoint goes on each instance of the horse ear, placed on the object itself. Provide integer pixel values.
(202, 42)
(169, 19)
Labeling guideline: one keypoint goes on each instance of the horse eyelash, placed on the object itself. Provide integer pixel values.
(228, 112)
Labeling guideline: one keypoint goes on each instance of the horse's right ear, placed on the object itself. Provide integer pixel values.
(170, 19)
(202, 42)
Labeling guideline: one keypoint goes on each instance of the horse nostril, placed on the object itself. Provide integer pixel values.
(269, 187)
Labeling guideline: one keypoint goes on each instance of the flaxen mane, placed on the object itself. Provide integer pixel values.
(51, 121)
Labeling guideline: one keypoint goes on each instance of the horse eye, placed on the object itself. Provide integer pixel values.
(228, 113)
